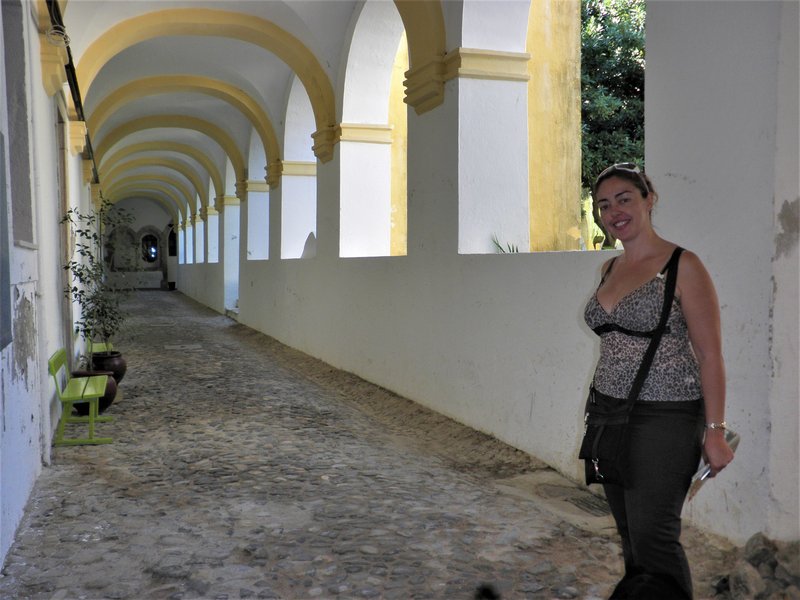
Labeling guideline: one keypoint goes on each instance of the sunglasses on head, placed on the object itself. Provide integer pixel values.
(627, 167)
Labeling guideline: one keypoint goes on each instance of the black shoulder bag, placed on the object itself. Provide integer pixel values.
(604, 448)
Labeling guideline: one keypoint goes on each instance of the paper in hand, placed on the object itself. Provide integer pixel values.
(704, 470)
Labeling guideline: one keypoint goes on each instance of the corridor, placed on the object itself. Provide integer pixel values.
(241, 468)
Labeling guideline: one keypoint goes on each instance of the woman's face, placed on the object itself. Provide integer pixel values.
(623, 210)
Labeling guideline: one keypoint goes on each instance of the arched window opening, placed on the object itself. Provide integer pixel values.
(257, 205)
(150, 252)
(298, 199)
(373, 136)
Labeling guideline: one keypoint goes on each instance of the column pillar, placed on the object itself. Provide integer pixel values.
(328, 205)
(230, 236)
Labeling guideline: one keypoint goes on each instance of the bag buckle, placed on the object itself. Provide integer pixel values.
(597, 473)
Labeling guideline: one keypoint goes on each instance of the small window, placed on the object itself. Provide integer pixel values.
(150, 248)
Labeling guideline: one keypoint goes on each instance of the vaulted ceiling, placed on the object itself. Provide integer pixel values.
(186, 102)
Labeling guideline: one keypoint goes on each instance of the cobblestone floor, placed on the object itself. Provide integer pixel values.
(243, 469)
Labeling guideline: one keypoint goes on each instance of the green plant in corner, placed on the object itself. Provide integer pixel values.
(507, 249)
(101, 314)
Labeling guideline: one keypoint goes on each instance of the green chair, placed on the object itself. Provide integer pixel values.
(92, 347)
(74, 391)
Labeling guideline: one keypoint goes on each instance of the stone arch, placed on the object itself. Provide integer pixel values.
(222, 90)
(176, 165)
(209, 22)
(163, 194)
(181, 122)
(189, 200)
(427, 45)
(178, 148)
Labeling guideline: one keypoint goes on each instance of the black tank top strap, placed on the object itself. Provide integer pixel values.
(607, 272)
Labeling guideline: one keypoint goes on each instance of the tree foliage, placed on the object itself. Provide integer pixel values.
(612, 84)
(101, 315)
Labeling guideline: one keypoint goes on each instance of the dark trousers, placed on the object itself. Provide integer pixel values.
(665, 446)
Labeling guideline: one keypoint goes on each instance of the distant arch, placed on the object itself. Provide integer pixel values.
(216, 133)
(128, 194)
(209, 22)
(165, 84)
(163, 146)
(176, 165)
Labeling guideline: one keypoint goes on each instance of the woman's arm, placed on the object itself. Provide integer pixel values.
(701, 309)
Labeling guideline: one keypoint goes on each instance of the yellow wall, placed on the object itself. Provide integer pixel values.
(554, 119)
(398, 118)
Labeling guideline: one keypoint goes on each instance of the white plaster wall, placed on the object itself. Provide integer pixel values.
(181, 246)
(23, 402)
(478, 338)
(204, 283)
(230, 255)
(200, 242)
(189, 237)
(145, 212)
(495, 24)
(784, 403)
(711, 120)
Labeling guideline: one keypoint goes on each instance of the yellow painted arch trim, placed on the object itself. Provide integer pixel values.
(131, 193)
(427, 44)
(152, 161)
(425, 31)
(219, 23)
(190, 151)
(165, 84)
(177, 122)
(117, 193)
(143, 179)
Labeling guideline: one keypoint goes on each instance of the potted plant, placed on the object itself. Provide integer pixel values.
(90, 287)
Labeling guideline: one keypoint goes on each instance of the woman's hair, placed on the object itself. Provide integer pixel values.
(628, 172)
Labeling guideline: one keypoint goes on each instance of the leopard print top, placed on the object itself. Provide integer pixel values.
(674, 374)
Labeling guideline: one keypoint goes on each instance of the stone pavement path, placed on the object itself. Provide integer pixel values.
(244, 469)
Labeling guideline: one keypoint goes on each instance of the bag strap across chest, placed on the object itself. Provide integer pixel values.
(669, 296)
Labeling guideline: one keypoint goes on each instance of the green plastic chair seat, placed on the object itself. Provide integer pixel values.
(78, 389)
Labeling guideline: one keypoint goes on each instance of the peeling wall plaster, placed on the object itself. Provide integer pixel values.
(789, 227)
(24, 335)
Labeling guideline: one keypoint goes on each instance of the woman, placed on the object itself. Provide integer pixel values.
(680, 411)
